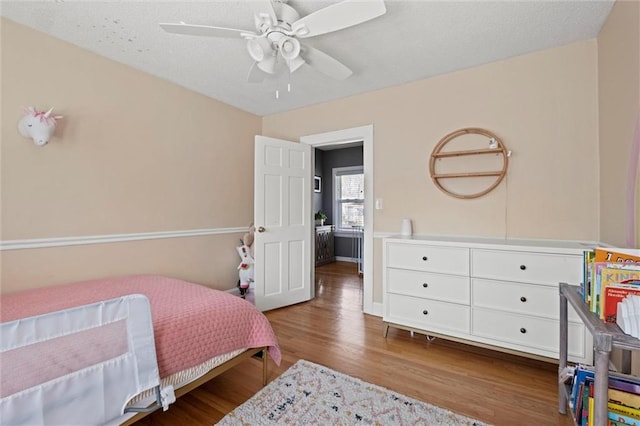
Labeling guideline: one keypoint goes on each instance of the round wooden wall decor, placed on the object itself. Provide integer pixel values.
(494, 146)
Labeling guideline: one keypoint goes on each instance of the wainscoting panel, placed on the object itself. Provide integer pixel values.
(208, 258)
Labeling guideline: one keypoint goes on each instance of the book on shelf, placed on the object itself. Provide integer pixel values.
(623, 391)
(586, 417)
(614, 294)
(614, 273)
(596, 259)
(579, 403)
(603, 274)
(631, 400)
(580, 375)
(616, 418)
(584, 411)
(623, 409)
(616, 255)
(619, 381)
(588, 257)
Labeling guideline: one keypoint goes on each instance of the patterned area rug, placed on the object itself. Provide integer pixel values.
(310, 394)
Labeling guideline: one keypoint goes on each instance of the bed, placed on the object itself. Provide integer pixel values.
(198, 332)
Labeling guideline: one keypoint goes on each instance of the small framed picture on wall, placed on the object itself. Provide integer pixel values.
(317, 184)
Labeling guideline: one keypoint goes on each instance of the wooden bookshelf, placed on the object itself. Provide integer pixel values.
(606, 336)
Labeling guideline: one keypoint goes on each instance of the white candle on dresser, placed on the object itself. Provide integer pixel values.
(405, 228)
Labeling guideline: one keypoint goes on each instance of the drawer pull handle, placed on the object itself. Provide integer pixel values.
(424, 258)
(425, 312)
(523, 330)
(523, 267)
(523, 299)
(425, 285)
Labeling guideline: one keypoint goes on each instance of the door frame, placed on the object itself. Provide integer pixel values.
(345, 136)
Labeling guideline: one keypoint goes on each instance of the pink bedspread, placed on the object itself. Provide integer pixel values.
(192, 323)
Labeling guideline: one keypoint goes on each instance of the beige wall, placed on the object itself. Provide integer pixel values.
(619, 105)
(543, 106)
(137, 154)
(133, 154)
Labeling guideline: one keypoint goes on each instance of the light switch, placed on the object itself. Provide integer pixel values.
(378, 203)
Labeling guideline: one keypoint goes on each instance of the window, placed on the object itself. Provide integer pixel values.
(348, 197)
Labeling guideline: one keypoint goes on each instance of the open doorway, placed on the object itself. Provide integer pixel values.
(338, 205)
(347, 138)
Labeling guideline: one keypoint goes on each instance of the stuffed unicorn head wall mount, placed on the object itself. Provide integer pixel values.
(38, 125)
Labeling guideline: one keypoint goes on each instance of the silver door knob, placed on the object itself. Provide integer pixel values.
(261, 229)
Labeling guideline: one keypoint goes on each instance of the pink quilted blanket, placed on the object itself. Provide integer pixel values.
(192, 323)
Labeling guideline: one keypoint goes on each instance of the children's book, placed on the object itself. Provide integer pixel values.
(582, 372)
(577, 409)
(623, 409)
(614, 273)
(617, 381)
(591, 407)
(588, 257)
(618, 418)
(614, 294)
(606, 255)
(614, 254)
(629, 399)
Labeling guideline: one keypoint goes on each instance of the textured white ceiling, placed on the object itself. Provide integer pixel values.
(413, 40)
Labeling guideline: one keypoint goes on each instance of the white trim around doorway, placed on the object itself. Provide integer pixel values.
(346, 136)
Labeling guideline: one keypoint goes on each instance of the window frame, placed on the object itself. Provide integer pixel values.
(342, 171)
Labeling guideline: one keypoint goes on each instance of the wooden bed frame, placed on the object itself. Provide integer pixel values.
(259, 353)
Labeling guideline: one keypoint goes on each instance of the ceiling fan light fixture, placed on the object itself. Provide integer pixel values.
(268, 64)
(289, 48)
(259, 48)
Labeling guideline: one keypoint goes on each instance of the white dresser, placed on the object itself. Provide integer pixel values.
(496, 293)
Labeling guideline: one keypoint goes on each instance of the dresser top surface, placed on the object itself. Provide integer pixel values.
(496, 243)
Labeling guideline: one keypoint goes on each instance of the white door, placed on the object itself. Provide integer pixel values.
(283, 221)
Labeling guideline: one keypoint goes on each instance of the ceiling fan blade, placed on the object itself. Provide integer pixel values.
(255, 74)
(295, 63)
(326, 64)
(338, 16)
(204, 30)
(265, 7)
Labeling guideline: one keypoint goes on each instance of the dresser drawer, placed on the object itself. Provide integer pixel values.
(427, 314)
(527, 299)
(535, 333)
(448, 288)
(539, 268)
(446, 260)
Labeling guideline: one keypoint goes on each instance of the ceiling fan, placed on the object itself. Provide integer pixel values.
(278, 28)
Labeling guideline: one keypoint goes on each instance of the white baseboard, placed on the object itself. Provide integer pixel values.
(376, 309)
(346, 259)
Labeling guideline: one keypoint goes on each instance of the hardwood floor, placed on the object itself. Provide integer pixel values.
(331, 330)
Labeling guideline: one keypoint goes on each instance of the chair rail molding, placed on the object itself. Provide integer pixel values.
(113, 238)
